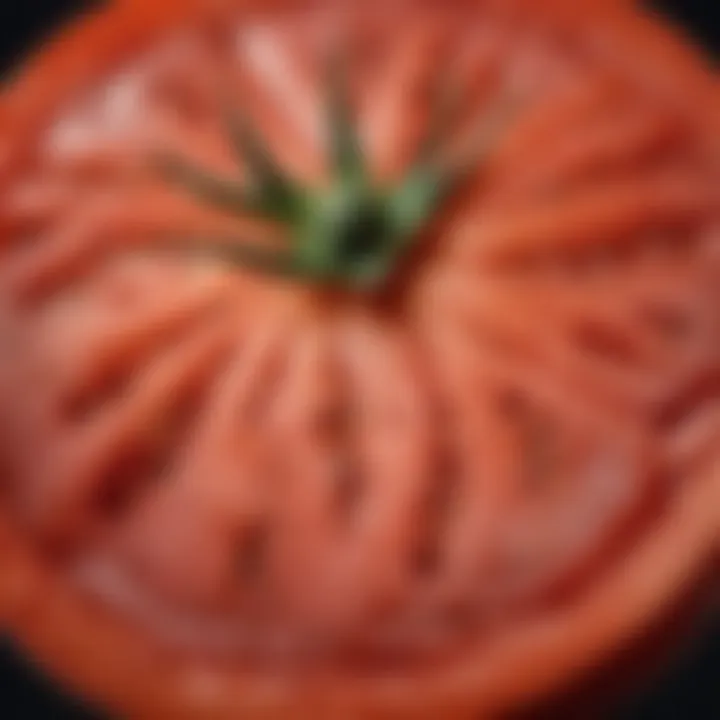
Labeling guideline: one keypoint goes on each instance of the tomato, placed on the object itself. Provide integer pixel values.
(361, 360)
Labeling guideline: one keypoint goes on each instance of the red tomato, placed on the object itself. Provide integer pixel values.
(298, 421)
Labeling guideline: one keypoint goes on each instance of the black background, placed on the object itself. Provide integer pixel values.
(688, 691)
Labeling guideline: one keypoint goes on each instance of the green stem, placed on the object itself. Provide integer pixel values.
(351, 233)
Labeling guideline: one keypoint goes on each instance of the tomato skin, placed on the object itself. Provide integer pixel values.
(108, 659)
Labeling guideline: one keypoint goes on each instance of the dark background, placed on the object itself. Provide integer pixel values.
(688, 691)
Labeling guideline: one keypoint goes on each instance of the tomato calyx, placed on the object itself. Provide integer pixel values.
(349, 234)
